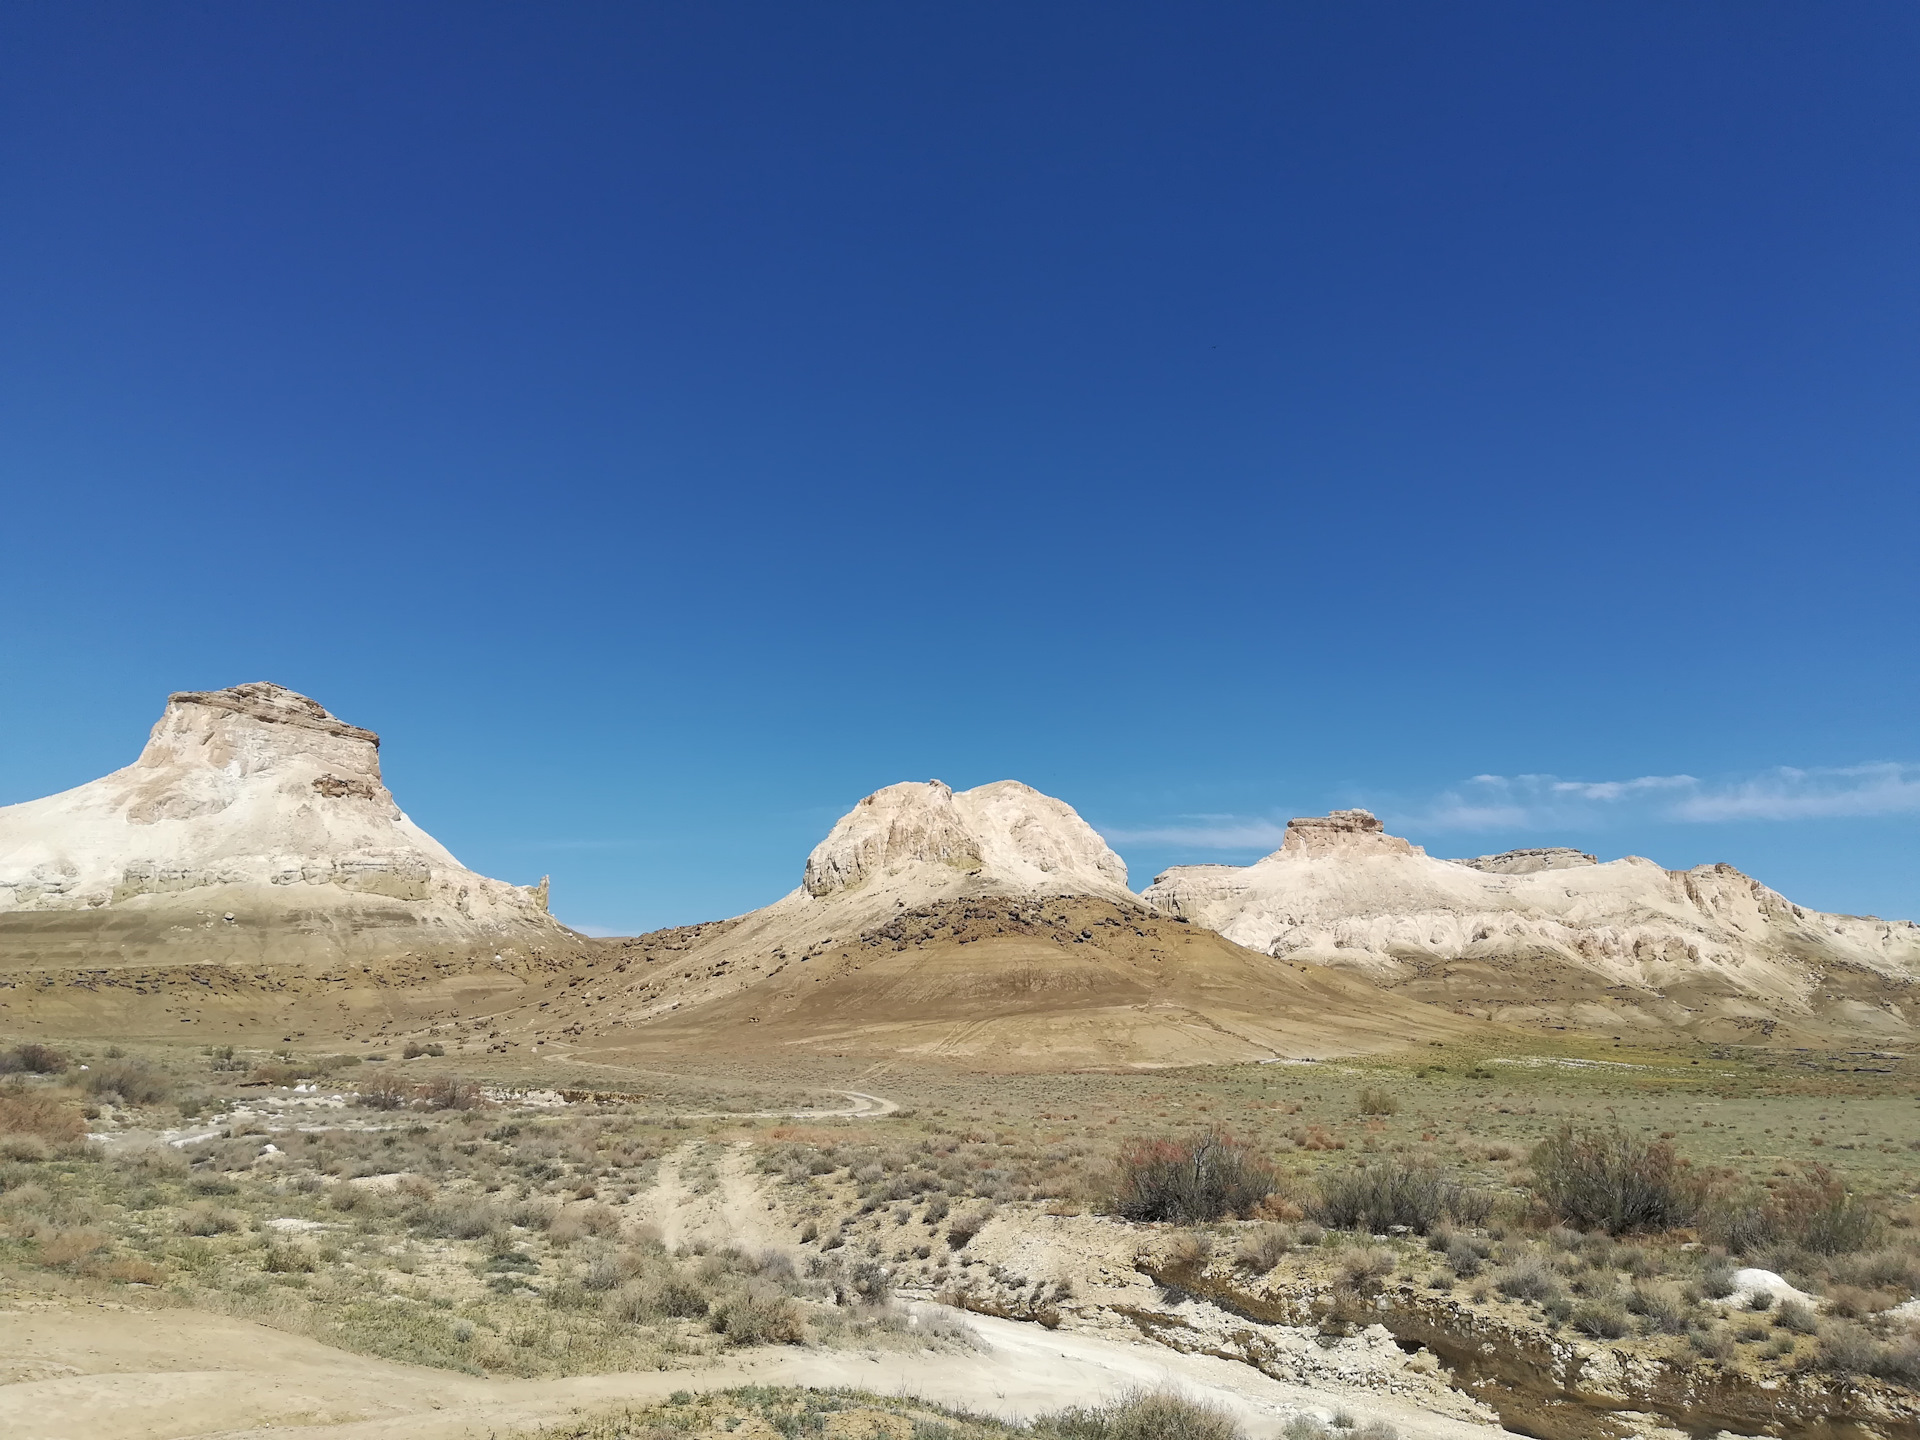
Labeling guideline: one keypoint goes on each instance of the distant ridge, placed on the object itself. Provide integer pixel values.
(1552, 936)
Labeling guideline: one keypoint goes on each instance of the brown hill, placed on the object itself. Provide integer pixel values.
(1006, 982)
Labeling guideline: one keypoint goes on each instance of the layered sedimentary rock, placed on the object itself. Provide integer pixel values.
(1555, 935)
(253, 822)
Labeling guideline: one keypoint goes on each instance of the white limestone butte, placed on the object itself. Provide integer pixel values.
(916, 844)
(919, 841)
(1672, 946)
(251, 803)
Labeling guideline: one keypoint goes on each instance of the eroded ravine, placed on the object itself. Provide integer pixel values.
(1558, 1389)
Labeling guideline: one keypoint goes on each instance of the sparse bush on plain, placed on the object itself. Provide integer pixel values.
(1815, 1211)
(965, 1226)
(1528, 1278)
(1364, 1267)
(204, 1219)
(1847, 1349)
(1262, 1248)
(134, 1081)
(1662, 1308)
(1466, 1257)
(756, 1312)
(1798, 1317)
(451, 1093)
(1208, 1177)
(467, 1219)
(47, 1118)
(1374, 1101)
(30, 1057)
(1385, 1193)
(1601, 1319)
(386, 1091)
(1607, 1178)
(1143, 1415)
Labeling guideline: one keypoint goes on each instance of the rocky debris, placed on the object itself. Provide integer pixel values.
(256, 800)
(1707, 947)
(1529, 862)
(1542, 1378)
(1352, 832)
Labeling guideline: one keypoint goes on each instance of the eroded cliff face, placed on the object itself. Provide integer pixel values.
(1673, 947)
(253, 798)
(1000, 838)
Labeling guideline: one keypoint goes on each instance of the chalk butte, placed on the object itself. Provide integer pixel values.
(1555, 935)
(253, 821)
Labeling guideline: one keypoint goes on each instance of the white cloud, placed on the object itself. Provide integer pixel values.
(1544, 801)
(1789, 794)
(1543, 804)
(1621, 789)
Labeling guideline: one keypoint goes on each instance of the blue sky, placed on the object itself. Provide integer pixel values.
(666, 424)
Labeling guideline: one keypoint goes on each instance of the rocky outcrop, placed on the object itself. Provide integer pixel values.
(1555, 936)
(253, 802)
(1529, 862)
(1342, 832)
(1002, 837)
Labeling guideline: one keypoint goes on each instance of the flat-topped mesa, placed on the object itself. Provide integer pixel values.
(1555, 936)
(998, 836)
(1529, 862)
(272, 704)
(253, 800)
(208, 744)
(1342, 832)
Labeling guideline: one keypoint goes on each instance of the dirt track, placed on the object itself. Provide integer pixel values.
(91, 1373)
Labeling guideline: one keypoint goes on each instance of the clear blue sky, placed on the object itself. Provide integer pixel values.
(667, 423)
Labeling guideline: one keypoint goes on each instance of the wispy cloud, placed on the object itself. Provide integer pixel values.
(1542, 804)
(1788, 794)
(1494, 802)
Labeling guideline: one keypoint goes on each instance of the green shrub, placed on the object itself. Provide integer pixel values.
(1528, 1278)
(960, 1230)
(205, 1219)
(1262, 1248)
(1798, 1317)
(1379, 1102)
(1392, 1192)
(1465, 1256)
(449, 1093)
(1661, 1307)
(755, 1312)
(134, 1081)
(1142, 1415)
(1606, 1178)
(1849, 1350)
(1815, 1212)
(457, 1220)
(30, 1057)
(1208, 1177)
(1602, 1319)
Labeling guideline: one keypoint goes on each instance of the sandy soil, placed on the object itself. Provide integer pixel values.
(95, 1373)
(109, 1372)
